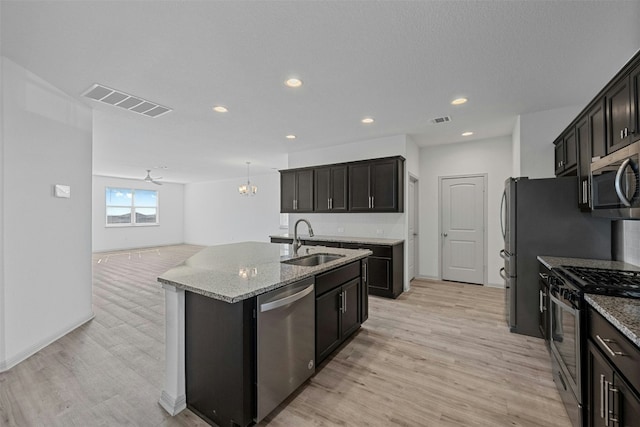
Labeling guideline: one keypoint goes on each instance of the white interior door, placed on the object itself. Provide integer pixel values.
(413, 227)
(462, 229)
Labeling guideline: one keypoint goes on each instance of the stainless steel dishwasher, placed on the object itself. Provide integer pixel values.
(286, 321)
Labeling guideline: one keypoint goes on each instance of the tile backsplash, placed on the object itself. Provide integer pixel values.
(626, 241)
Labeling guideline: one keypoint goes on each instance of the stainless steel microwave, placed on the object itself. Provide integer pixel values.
(615, 184)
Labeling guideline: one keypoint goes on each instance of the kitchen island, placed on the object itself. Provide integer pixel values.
(229, 279)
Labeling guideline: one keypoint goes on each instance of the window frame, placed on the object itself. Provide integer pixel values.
(132, 209)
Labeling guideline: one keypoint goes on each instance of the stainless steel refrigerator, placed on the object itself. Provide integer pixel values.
(541, 217)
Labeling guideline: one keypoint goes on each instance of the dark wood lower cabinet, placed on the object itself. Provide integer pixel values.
(612, 402)
(221, 352)
(613, 376)
(338, 307)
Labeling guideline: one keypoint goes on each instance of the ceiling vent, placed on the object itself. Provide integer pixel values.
(438, 120)
(124, 100)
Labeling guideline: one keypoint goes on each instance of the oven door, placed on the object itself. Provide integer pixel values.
(564, 329)
(615, 184)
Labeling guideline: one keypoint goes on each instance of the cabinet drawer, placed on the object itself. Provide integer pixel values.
(329, 280)
(378, 250)
(604, 335)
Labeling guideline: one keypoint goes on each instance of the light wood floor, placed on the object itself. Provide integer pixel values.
(439, 355)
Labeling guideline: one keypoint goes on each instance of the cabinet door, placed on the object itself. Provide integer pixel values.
(304, 190)
(570, 149)
(626, 403)
(618, 116)
(384, 185)
(359, 190)
(322, 182)
(364, 291)
(597, 130)
(287, 191)
(338, 192)
(599, 373)
(328, 331)
(350, 310)
(559, 156)
(635, 103)
(380, 274)
(584, 162)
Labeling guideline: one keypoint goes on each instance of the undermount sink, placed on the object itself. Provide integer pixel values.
(313, 260)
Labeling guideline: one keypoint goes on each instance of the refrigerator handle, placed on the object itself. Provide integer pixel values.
(503, 213)
(502, 274)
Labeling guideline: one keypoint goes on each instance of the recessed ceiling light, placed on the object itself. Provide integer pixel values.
(467, 133)
(459, 101)
(290, 137)
(220, 109)
(367, 120)
(293, 82)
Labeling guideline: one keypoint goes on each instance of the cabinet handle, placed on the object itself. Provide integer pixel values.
(295, 204)
(606, 403)
(373, 202)
(344, 305)
(613, 417)
(331, 203)
(328, 203)
(366, 277)
(601, 396)
(604, 342)
(540, 301)
(621, 133)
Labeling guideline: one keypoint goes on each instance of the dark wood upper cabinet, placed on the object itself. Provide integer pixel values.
(584, 161)
(375, 185)
(619, 115)
(597, 130)
(635, 103)
(296, 191)
(330, 189)
(566, 153)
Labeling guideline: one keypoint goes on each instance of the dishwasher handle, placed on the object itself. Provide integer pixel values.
(286, 300)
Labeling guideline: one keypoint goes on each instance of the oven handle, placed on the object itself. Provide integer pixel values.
(563, 304)
(618, 183)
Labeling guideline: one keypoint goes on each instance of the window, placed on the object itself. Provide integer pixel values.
(126, 206)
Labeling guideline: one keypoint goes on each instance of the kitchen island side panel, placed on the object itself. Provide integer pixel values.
(219, 355)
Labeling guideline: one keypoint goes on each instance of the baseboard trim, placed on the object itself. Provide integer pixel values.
(172, 405)
(7, 364)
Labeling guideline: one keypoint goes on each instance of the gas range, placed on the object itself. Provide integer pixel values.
(619, 283)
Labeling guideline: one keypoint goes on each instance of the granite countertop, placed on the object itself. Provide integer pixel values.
(239, 271)
(555, 262)
(623, 313)
(342, 239)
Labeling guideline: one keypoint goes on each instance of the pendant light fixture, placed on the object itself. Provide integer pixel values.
(247, 189)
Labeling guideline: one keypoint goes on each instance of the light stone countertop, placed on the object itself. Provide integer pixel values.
(342, 239)
(555, 262)
(239, 271)
(623, 313)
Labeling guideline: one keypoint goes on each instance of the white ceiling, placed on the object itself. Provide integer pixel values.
(400, 62)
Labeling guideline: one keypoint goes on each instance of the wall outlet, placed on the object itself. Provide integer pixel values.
(379, 232)
(340, 230)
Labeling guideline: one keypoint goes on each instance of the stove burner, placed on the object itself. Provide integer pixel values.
(624, 283)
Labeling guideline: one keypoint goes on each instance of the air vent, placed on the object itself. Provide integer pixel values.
(124, 100)
(439, 120)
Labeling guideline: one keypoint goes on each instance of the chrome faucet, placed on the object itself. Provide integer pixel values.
(296, 242)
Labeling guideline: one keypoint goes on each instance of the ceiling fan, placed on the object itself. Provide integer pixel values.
(153, 180)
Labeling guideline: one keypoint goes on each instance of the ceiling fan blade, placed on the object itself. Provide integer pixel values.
(156, 182)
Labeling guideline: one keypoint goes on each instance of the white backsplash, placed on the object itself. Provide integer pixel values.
(379, 225)
(626, 241)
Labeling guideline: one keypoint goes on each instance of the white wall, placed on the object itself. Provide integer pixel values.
(170, 231)
(215, 213)
(46, 240)
(626, 241)
(515, 148)
(492, 157)
(537, 133)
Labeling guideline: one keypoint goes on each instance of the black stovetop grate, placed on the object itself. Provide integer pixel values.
(624, 283)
